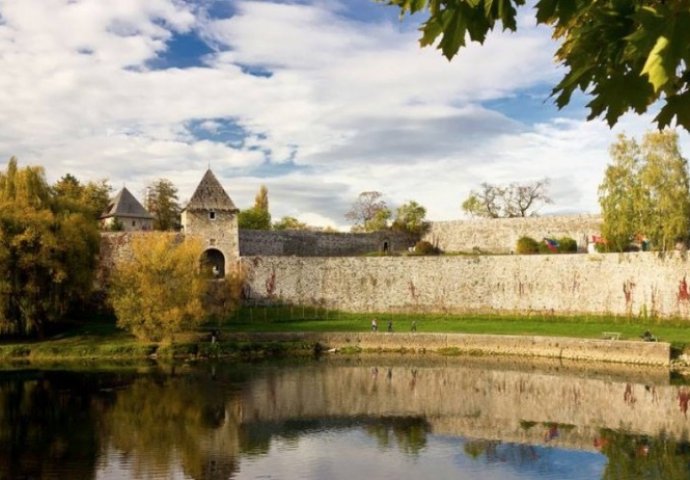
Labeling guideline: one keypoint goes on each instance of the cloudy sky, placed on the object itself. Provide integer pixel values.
(317, 99)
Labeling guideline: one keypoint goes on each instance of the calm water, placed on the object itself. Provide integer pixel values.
(349, 419)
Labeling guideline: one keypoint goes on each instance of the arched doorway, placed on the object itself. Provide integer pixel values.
(213, 262)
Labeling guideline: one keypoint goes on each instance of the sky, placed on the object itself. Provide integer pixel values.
(319, 100)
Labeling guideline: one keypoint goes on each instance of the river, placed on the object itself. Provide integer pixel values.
(344, 417)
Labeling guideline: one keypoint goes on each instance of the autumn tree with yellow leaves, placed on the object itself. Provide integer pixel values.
(159, 291)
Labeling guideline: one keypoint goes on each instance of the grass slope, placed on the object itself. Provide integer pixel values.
(103, 340)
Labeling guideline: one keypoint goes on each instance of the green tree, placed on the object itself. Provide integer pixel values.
(646, 192)
(409, 217)
(625, 54)
(47, 252)
(620, 195)
(162, 202)
(665, 183)
(369, 213)
(257, 217)
(254, 219)
(507, 201)
(261, 199)
(379, 221)
(290, 223)
(159, 291)
(92, 198)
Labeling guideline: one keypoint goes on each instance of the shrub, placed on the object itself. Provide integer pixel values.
(567, 245)
(527, 246)
(544, 249)
(426, 248)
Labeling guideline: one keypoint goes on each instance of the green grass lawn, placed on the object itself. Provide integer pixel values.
(283, 320)
(102, 340)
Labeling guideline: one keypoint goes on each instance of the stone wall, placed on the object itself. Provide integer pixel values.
(613, 351)
(309, 244)
(500, 235)
(633, 283)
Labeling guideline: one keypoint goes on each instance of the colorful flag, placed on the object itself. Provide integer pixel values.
(551, 244)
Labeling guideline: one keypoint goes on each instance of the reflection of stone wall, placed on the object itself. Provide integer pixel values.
(472, 401)
(500, 235)
(314, 244)
(637, 283)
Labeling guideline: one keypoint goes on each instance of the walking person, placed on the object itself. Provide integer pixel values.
(390, 325)
(374, 325)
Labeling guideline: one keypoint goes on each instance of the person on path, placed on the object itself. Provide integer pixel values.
(414, 325)
(390, 325)
(374, 325)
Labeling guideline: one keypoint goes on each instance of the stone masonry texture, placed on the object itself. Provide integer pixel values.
(500, 235)
(641, 283)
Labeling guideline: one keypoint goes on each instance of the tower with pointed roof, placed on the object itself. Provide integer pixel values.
(126, 211)
(212, 216)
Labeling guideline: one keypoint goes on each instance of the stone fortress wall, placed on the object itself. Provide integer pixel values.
(319, 244)
(633, 283)
(488, 235)
(284, 268)
(500, 235)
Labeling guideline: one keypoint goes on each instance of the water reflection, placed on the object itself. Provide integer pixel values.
(421, 418)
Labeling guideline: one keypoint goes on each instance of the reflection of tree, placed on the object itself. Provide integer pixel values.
(47, 427)
(477, 448)
(409, 433)
(636, 456)
(171, 417)
(496, 451)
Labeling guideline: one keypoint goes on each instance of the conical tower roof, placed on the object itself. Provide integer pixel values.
(210, 195)
(125, 205)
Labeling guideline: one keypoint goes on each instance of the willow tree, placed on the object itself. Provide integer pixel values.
(159, 291)
(47, 252)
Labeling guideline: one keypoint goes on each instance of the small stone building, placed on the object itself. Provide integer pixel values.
(125, 213)
(212, 216)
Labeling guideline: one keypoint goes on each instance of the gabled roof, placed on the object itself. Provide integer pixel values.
(125, 205)
(210, 195)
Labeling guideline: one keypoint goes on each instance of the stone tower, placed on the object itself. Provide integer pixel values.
(211, 216)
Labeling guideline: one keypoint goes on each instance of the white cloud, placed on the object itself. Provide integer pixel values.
(354, 105)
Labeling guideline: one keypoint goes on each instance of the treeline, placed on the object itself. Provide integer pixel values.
(49, 245)
(49, 242)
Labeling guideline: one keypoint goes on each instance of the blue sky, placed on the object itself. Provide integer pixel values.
(317, 99)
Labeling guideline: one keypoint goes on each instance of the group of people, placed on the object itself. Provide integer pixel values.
(375, 325)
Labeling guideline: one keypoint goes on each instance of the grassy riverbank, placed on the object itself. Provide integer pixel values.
(286, 319)
(103, 340)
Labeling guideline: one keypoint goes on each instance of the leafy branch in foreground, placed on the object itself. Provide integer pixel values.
(625, 54)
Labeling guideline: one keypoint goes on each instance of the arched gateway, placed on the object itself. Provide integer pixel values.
(211, 216)
(213, 262)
